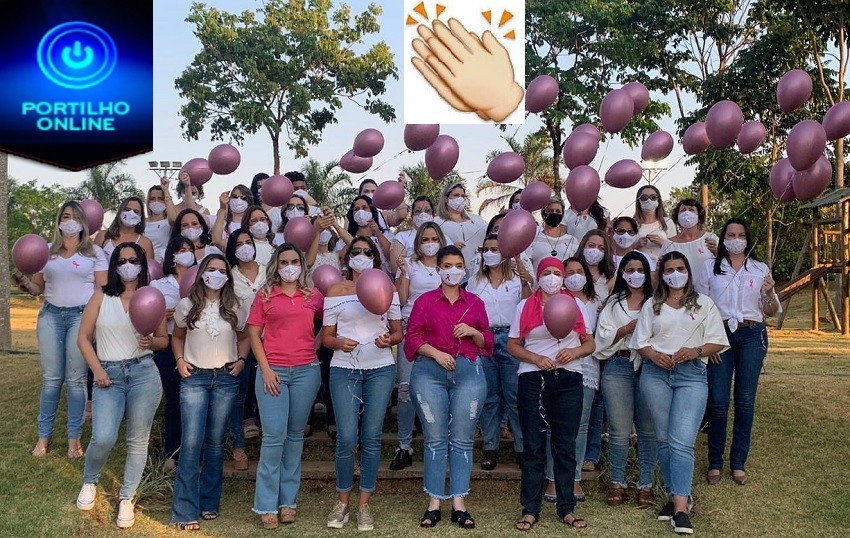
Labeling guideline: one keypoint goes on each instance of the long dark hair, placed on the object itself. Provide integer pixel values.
(174, 244)
(205, 238)
(496, 218)
(606, 266)
(246, 221)
(723, 253)
(114, 229)
(513, 197)
(284, 219)
(376, 256)
(230, 251)
(589, 289)
(145, 208)
(689, 300)
(227, 304)
(246, 192)
(598, 214)
(352, 225)
(622, 291)
(255, 189)
(114, 285)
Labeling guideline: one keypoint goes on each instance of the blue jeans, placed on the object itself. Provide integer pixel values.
(405, 412)
(594, 429)
(135, 393)
(206, 398)
(236, 426)
(549, 403)
(61, 362)
(448, 405)
(744, 360)
(170, 378)
(360, 403)
(284, 418)
(500, 370)
(623, 404)
(676, 400)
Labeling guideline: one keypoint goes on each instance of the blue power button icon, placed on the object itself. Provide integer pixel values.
(77, 55)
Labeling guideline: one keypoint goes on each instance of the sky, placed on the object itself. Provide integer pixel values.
(175, 46)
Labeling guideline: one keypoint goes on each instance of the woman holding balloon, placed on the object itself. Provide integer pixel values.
(552, 240)
(190, 195)
(193, 226)
(466, 230)
(578, 223)
(273, 213)
(126, 381)
(128, 226)
(232, 207)
(296, 207)
(363, 222)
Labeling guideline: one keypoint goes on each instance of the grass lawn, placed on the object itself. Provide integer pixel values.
(798, 467)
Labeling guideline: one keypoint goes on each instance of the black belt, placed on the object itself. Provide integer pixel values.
(742, 324)
(627, 353)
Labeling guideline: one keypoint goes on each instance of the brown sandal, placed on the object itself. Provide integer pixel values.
(269, 521)
(525, 524)
(188, 526)
(287, 515)
(574, 521)
(617, 496)
(240, 460)
(645, 498)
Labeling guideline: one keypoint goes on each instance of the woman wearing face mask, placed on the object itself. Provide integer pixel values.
(501, 289)
(693, 241)
(549, 397)
(126, 381)
(514, 201)
(273, 213)
(742, 288)
(329, 241)
(128, 226)
(74, 270)
(231, 209)
(447, 335)
(362, 221)
(626, 240)
(415, 276)
(362, 374)
(204, 342)
(553, 239)
(675, 333)
(524, 270)
(297, 207)
(192, 225)
(179, 257)
(258, 224)
(654, 224)
(280, 328)
(402, 244)
(620, 381)
(463, 229)
(190, 196)
(386, 217)
(579, 223)
(160, 215)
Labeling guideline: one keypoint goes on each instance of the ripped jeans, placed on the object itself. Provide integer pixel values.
(448, 405)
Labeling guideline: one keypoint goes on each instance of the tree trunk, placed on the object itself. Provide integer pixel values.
(5, 280)
(770, 254)
(276, 152)
(555, 136)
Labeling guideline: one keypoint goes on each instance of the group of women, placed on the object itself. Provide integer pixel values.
(668, 313)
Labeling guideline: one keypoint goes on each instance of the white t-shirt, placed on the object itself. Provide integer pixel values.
(737, 295)
(590, 364)
(655, 228)
(543, 245)
(500, 302)
(695, 251)
(117, 340)
(615, 314)
(264, 251)
(208, 250)
(353, 321)
(540, 341)
(245, 290)
(70, 281)
(170, 288)
(212, 343)
(469, 232)
(578, 225)
(274, 216)
(405, 239)
(159, 232)
(422, 280)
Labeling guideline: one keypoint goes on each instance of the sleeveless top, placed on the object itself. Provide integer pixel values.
(109, 246)
(117, 340)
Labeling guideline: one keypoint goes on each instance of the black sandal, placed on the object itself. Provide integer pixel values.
(524, 524)
(463, 519)
(431, 518)
(209, 516)
(574, 521)
(490, 460)
(187, 526)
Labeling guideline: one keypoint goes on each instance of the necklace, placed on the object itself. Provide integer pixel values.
(554, 252)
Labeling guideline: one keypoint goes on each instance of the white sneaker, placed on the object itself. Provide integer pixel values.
(85, 500)
(126, 515)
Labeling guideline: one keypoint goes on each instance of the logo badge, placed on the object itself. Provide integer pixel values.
(77, 55)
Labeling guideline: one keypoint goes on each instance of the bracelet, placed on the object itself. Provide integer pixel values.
(241, 359)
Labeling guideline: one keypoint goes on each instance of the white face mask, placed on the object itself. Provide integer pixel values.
(429, 249)
(515, 205)
(625, 240)
(157, 208)
(688, 219)
(735, 246)
(361, 262)
(452, 276)
(130, 218)
(290, 273)
(245, 253)
(421, 218)
(648, 206)
(593, 256)
(238, 205)
(70, 228)
(634, 280)
(551, 283)
(457, 204)
(301, 193)
(129, 272)
(676, 280)
(192, 234)
(325, 237)
(259, 229)
(492, 259)
(293, 213)
(185, 259)
(362, 217)
(214, 280)
(575, 282)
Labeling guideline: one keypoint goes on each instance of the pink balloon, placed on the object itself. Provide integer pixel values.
(276, 191)
(723, 123)
(154, 270)
(388, 195)
(751, 136)
(695, 139)
(623, 174)
(559, 315)
(368, 143)
(147, 309)
(541, 93)
(325, 276)
(535, 196)
(657, 146)
(354, 164)
(639, 95)
(582, 187)
(420, 136)
(590, 129)
(580, 149)
(441, 157)
(299, 231)
(94, 214)
(224, 159)
(806, 143)
(517, 231)
(30, 254)
(836, 122)
(616, 110)
(198, 170)
(793, 90)
(375, 291)
(808, 184)
(506, 167)
(780, 180)
(188, 281)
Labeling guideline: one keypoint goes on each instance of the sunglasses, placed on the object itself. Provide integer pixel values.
(621, 231)
(134, 261)
(645, 197)
(238, 196)
(290, 207)
(357, 251)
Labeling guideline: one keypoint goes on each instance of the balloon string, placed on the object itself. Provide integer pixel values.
(385, 162)
(604, 152)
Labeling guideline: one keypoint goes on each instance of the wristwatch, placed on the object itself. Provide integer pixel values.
(699, 351)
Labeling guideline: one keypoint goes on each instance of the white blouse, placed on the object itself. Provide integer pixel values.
(469, 232)
(655, 228)
(564, 246)
(70, 281)
(615, 314)
(117, 340)
(578, 225)
(159, 232)
(245, 290)
(541, 341)
(695, 251)
(212, 343)
(422, 279)
(589, 364)
(737, 295)
(264, 251)
(674, 328)
(170, 288)
(353, 321)
(499, 302)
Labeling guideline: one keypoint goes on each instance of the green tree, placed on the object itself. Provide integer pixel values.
(536, 152)
(285, 68)
(106, 184)
(32, 208)
(419, 182)
(329, 185)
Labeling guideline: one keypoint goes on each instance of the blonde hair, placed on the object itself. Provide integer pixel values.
(273, 278)
(443, 208)
(86, 247)
(417, 241)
